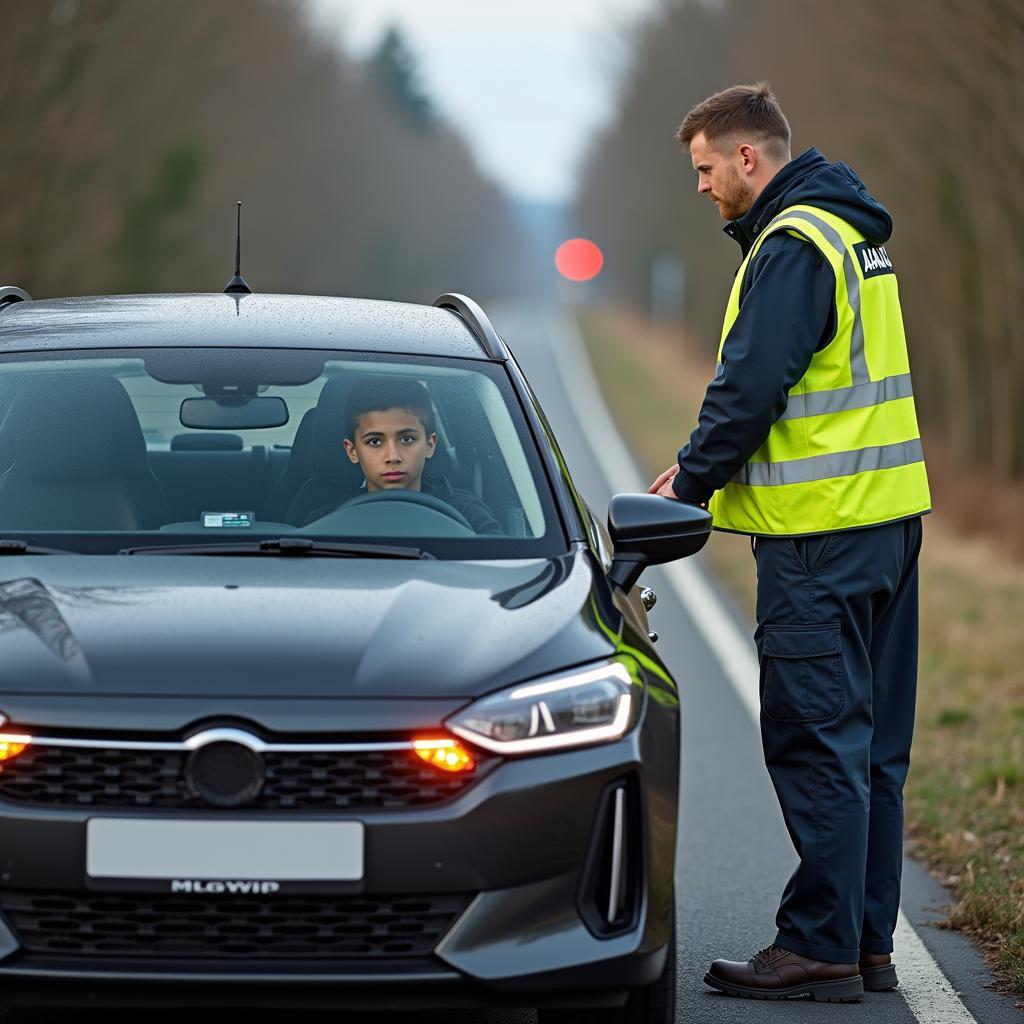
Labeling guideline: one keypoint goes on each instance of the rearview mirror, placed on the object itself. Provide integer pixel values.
(233, 413)
(648, 529)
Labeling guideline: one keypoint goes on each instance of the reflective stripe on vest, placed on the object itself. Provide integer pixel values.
(857, 396)
(858, 364)
(822, 467)
(846, 452)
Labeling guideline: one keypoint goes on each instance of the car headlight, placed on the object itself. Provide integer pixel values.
(597, 704)
(11, 746)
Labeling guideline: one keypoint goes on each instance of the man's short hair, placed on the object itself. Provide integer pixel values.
(380, 395)
(738, 114)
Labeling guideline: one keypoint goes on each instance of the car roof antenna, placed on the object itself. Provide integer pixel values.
(237, 285)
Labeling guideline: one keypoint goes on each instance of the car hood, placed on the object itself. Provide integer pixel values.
(158, 626)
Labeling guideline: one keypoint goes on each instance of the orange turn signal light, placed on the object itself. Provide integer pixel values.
(447, 754)
(12, 746)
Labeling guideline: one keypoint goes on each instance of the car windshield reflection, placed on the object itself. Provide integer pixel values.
(228, 444)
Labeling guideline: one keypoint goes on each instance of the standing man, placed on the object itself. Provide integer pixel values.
(807, 440)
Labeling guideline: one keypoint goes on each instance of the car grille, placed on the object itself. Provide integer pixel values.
(270, 928)
(340, 780)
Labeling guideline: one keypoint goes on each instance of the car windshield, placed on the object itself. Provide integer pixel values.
(174, 446)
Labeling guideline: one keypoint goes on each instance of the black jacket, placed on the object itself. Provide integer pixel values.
(473, 508)
(787, 312)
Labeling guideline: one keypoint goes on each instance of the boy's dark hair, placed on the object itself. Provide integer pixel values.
(742, 110)
(380, 395)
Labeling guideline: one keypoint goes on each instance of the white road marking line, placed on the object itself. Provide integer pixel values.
(926, 990)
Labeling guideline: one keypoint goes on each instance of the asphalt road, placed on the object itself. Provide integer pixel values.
(734, 854)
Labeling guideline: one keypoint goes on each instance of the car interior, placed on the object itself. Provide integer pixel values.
(103, 448)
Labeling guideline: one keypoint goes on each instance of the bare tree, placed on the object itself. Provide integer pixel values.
(923, 98)
(133, 126)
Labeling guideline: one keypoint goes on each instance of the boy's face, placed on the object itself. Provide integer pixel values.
(390, 447)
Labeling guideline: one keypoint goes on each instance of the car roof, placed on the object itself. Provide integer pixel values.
(253, 320)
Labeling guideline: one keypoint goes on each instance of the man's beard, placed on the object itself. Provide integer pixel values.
(736, 197)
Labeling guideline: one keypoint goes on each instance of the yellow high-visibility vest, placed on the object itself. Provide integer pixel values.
(847, 451)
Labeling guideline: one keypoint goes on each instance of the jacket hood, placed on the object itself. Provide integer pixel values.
(812, 180)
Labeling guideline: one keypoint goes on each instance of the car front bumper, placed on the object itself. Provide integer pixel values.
(527, 846)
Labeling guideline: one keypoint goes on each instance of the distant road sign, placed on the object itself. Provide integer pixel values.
(579, 259)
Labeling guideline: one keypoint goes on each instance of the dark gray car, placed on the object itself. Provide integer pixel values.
(273, 731)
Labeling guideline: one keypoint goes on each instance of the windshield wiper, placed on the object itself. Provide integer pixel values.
(292, 547)
(19, 547)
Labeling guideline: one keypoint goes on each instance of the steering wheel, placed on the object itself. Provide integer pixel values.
(414, 498)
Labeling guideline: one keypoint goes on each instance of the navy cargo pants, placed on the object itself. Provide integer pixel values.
(837, 631)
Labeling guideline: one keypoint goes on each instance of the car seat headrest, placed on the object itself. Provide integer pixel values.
(327, 451)
(71, 427)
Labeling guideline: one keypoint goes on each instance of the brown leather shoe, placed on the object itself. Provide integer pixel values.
(878, 972)
(776, 973)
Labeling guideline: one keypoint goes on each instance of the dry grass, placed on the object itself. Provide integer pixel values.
(965, 795)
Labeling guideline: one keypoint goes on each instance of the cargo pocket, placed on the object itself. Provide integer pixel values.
(802, 672)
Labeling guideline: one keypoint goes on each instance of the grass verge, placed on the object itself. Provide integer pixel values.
(965, 794)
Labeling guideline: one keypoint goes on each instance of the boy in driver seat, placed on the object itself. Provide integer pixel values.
(389, 434)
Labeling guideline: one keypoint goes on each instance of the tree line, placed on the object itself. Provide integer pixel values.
(924, 99)
(131, 127)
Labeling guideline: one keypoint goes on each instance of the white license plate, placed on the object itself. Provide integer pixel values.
(322, 851)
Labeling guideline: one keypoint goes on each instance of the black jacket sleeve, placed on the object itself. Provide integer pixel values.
(474, 509)
(787, 311)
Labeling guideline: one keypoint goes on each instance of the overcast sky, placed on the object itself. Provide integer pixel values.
(526, 82)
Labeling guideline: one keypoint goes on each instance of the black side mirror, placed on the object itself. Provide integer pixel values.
(648, 529)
